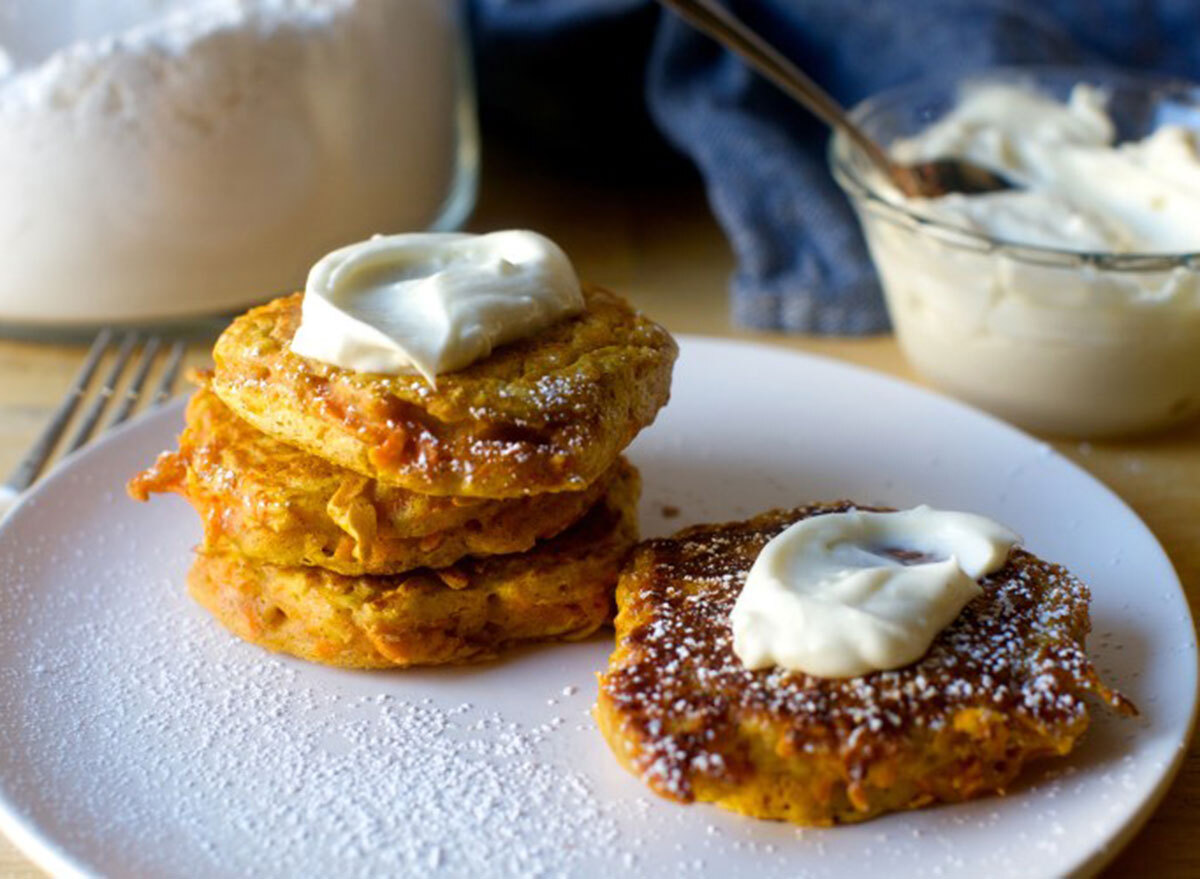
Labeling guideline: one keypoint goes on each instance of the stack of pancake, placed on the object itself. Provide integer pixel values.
(368, 520)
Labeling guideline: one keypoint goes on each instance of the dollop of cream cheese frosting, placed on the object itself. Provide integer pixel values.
(845, 594)
(432, 303)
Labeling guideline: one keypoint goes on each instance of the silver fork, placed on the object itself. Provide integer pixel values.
(39, 454)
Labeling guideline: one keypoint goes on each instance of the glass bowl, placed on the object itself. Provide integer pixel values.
(1058, 341)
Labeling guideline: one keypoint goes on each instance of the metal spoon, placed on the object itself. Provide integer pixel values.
(927, 179)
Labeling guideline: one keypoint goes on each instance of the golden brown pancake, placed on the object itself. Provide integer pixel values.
(269, 501)
(547, 413)
(1002, 685)
(560, 589)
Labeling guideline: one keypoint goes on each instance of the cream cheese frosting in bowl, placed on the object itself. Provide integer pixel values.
(1069, 305)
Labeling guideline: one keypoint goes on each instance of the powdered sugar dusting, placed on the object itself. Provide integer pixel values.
(302, 775)
(139, 738)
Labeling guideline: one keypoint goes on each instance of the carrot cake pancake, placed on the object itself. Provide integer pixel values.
(560, 589)
(1001, 685)
(273, 502)
(545, 413)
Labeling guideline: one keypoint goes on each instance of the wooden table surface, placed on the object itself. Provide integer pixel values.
(665, 252)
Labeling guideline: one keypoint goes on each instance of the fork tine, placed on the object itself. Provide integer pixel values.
(92, 416)
(33, 462)
(166, 384)
(134, 391)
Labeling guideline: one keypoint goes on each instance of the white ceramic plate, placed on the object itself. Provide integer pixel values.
(138, 738)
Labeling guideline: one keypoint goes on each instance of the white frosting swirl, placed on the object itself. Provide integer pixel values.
(432, 303)
(833, 595)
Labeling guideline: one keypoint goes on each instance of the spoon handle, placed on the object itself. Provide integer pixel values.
(719, 23)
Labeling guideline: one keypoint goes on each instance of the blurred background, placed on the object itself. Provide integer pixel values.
(626, 95)
(192, 156)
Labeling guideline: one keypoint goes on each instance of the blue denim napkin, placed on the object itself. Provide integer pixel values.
(602, 82)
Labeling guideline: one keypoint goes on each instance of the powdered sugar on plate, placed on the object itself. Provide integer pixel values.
(268, 768)
(138, 738)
